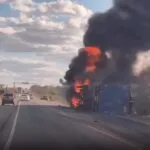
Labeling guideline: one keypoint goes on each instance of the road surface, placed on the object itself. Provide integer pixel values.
(36, 125)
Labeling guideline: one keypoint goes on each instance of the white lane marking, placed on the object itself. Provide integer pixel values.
(115, 137)
(10, 138)
(103, 132)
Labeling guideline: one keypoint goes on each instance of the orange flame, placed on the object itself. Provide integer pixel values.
(92, 59)
(77, 86)
(75, 102)
(93, 56)
(92, 50)
(87, 82)
(90, 68)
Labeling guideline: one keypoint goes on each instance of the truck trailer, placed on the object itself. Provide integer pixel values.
(113, 99)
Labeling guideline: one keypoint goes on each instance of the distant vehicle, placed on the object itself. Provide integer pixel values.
(8, 98)
(25, 97)
(44, 98)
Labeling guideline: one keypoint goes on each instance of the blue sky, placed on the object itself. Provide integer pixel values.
(36, 56)
(97, 5)
(94, 5)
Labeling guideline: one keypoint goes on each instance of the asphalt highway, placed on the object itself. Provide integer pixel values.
(36, 125)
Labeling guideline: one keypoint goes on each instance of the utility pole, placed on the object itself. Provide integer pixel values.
(14, 84)
(14, 88)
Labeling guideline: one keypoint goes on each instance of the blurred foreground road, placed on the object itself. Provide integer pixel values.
(41, 126)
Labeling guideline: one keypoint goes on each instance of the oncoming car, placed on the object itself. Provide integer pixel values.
(44, 98)
(8, 98)
(25, 97)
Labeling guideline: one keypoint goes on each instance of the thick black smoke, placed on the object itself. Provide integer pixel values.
(124, 30)
(125, 27)
(78, 65)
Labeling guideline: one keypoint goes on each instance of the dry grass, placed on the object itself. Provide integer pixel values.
(53, 93)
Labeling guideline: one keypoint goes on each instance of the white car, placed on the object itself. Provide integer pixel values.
(24, 97)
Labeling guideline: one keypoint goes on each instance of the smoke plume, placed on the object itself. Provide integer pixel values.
(125, 28)
(123, 31)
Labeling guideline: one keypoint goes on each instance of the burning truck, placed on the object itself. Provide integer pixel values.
(123, 33)
(111, 98)
(80, 93)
